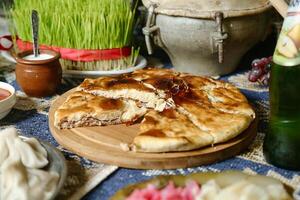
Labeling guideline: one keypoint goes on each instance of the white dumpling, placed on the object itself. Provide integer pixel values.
(42, 184)
(209, 191)
(8, 133)
(36, 145)
(252, 191)
(20, 176)
(3, 151)
(277, 191)
(6, 136)
(13, 179)
(32, 154)
(242, 190)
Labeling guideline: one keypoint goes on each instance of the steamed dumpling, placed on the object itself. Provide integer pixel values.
(13, 179)
(209, 190)
(7, 137)
(277, 192)
(20, 175)
(243, 190)
(8, 133)
(3, 151)
(32, 154)
(21, 183)
(42, 184)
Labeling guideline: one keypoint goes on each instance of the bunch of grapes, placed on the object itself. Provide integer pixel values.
(260, 71)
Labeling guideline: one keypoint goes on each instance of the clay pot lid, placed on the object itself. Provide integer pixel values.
(208, 8)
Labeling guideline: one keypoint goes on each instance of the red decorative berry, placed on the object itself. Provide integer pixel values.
(265, 61)
(255, 63)
(264, 80)
(260, 71)
(267, 68)
(255, 74)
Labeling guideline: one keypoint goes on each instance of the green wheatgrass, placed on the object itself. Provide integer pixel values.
(80, 24)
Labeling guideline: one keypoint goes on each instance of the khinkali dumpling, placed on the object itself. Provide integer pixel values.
(42, 184)
(32, 154)
(20, 175)
(209, 190)
(13, 179)
(7, 137)
(3, 151)
(242, 190)
(8, 133)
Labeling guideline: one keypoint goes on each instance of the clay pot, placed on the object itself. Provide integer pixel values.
(206, 37)
(38, 78)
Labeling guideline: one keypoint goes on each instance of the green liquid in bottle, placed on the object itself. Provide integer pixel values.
(282, 143)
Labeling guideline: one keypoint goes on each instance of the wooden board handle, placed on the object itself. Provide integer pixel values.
(281, 6)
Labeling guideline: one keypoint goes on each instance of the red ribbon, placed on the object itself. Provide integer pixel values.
(82, 55)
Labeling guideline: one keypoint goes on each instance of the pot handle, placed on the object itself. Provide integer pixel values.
(219, 37)
(149, 28)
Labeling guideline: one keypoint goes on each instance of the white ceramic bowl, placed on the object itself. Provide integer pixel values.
(7, 104)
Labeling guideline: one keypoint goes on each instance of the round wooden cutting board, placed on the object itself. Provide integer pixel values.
(102, 144)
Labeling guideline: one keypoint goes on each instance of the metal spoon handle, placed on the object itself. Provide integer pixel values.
(35, 32)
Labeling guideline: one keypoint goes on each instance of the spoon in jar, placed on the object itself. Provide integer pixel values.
(35, 32)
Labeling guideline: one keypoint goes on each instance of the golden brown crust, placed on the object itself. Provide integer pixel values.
(84, 109)
(150, 73)
(198, 82)
(164, 81)
(169, 131)
(223, 126)
(113, 83)
(230, 101)
(128, 88)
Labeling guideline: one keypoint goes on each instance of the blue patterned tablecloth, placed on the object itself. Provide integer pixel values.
(30, 117)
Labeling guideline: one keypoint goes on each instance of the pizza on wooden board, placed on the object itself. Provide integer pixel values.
(180, 111)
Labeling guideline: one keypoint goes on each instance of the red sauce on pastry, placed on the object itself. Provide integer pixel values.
(4, 94)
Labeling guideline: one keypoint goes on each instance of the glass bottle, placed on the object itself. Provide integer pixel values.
(282, 142)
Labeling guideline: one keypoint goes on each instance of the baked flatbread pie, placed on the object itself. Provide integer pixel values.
(180, 111)
(169, 131)
(84, 109)
(163, 81)
(221, 125)
(142, 74)
(219, 94)
(128, 88)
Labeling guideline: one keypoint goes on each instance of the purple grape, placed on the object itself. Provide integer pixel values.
(265, 61)
(268, 67)
(265, 79)
(255, 74)
(260, 71)
(255, 63)
(261, 64)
